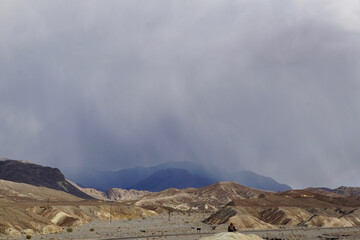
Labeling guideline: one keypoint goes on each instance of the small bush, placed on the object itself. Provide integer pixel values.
(28, 236)
(69, 229)
(92, 229)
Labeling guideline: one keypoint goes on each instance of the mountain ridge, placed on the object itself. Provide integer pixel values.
(130, 177)
(172, 178)
(37, 175)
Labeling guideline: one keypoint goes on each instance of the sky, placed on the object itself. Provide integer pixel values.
(267, 86)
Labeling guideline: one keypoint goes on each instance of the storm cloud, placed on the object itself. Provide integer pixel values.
(267, 86)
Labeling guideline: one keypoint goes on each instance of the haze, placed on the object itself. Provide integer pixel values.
(267, 86)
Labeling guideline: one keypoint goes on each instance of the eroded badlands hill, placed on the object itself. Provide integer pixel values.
(208, 198)
(307, 208)
(19, 218)
(113, 194)
(27, 209)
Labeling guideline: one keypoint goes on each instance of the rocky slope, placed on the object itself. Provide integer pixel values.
(323, 192)
(22, 191)
(27, 209)
(347, 191)
(117, 194)
(18, 218)
(113, 194)
(209, 198)
(305, 208)
(36, 175)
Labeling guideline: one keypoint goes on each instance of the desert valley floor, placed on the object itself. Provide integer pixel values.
(184, 226)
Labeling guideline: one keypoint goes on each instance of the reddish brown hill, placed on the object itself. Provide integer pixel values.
(309, 192)
(322, 192)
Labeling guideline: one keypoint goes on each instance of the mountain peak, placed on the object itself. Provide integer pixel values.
(171, 177)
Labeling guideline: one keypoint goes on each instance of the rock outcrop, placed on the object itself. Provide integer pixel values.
(347, 191)
(36, 175)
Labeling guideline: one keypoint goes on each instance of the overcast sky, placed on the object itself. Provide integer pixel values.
(268, 86)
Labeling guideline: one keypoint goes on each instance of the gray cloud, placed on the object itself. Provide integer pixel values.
(272, 88)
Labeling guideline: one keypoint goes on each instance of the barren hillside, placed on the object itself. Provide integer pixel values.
(113, 194)
(36, 175)
(347, 191)
(307, 208)
(17, 218)
(23, 191)
(209, 198)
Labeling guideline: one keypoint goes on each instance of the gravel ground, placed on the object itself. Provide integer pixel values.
(178, 224)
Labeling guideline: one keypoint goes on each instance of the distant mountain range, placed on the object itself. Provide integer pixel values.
(171, 175)
(172, 178)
